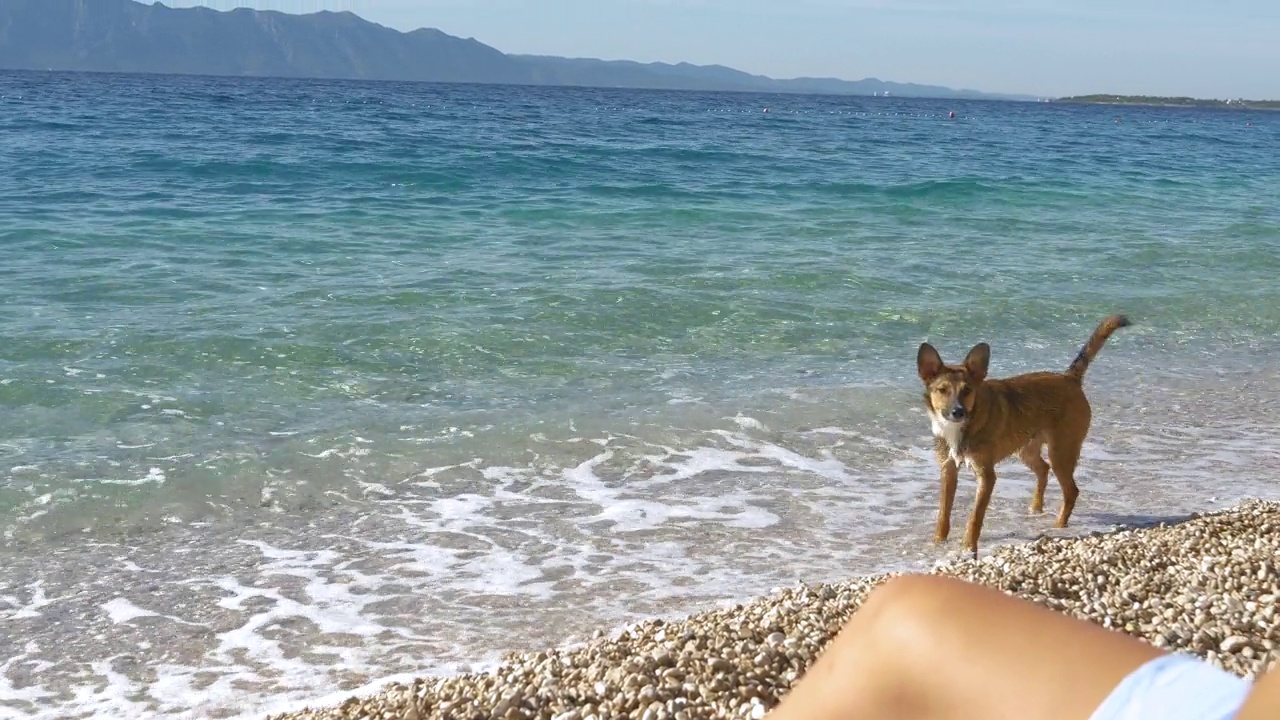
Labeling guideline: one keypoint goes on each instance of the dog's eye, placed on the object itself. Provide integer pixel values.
(964, 391)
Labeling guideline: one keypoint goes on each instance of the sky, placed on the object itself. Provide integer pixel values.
(1049, 48)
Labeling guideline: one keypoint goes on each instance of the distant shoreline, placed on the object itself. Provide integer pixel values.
(1096, 99)
(1158, 101)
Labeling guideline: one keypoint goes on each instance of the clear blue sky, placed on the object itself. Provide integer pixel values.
(1204, 48)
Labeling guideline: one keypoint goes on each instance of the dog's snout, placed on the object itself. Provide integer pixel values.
(957, 412)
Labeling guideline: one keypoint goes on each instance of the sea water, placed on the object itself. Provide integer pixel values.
(305, 385)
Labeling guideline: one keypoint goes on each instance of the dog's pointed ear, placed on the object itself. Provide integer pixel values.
(977, 360)
(928, 362)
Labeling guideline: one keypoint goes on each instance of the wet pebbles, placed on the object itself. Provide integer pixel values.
(1208, 586)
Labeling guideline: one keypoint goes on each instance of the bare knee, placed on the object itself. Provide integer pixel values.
(889, 643)
(903, 590)
(903, 608)
(881, 648)
(869, 669)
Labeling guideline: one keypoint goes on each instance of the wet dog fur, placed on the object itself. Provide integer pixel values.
(980, 421)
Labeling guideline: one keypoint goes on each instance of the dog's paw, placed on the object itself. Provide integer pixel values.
(959, 555)
(954, 555)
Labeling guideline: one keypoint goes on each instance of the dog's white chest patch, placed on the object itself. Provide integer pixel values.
(950, 432)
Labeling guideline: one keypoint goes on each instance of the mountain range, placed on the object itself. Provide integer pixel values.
(130, 37)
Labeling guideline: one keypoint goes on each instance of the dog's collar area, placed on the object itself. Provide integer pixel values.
(952, 433)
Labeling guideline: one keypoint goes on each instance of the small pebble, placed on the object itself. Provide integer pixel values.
(1205, 587)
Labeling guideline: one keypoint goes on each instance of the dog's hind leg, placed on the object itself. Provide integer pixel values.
(1063, 455)
(1030, 455)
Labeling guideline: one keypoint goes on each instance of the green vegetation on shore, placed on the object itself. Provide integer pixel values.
(1171, 101)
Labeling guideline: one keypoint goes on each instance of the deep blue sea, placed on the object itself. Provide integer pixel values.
(305, 385)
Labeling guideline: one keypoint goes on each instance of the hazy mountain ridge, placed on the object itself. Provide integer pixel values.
(128, 36)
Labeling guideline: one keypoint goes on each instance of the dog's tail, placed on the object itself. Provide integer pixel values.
(1109, 325)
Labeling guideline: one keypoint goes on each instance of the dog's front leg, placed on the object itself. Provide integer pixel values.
(949, 474)
(986, 483)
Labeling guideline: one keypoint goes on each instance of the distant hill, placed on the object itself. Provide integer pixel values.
(546, 70)
(127, 36)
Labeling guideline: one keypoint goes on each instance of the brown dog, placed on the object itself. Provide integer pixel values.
(980, 422)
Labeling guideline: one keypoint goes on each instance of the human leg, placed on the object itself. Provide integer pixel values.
(935, 648)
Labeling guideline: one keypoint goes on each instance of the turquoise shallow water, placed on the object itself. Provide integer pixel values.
(412, 374)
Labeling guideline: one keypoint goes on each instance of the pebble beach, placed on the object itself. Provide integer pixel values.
(1207, 586)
